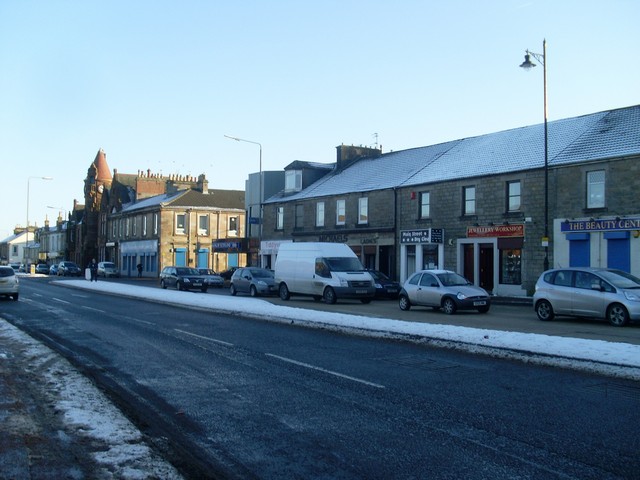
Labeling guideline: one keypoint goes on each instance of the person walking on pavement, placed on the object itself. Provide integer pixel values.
(139, 267)
(93, 266)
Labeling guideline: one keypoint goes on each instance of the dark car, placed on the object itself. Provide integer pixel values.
(254, 281)
(183, 278)
(213, 279)
(227, 274)
(69, 269)
(443, 289)
(385, 287)
(42, 268)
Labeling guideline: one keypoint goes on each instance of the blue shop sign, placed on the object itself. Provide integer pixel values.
(600, 225)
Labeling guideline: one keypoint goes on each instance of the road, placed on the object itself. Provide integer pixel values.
(241, 398)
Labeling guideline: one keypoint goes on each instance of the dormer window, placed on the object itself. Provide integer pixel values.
(292, 181)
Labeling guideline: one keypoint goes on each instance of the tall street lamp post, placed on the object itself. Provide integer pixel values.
(27, 229)
(259, 195)
(527, 65)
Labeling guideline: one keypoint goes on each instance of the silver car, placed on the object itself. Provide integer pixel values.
(609, 294)
(443, 289)
(254, 281)
(9, 283)
(108, 269)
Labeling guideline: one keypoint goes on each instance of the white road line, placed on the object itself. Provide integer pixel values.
(205, 338)
(61, 301)
(313, 367)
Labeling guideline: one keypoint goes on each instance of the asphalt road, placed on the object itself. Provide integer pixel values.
(228, 397)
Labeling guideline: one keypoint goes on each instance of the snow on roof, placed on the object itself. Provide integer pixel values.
(608, 134)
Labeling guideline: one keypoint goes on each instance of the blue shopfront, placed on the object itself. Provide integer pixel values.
(139, 252)
(603, 242)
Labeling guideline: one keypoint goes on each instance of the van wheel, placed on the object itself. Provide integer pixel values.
(232, 290)
(252, 291)
(329, 296)
(617, 315)
(283, 291)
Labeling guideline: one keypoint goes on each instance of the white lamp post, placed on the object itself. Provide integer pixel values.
(527, 65)
(259, 195)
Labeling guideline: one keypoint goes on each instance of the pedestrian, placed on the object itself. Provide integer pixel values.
(139, 267)
(93, 266)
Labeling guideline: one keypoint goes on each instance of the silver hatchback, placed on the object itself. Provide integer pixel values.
(603, 293)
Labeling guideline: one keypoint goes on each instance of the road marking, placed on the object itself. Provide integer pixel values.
(205, 338)
(320, 369)
(61, 301)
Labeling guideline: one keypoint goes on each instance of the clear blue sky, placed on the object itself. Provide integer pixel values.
(157, 84)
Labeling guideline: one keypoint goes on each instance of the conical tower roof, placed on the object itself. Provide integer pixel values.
(103, 172)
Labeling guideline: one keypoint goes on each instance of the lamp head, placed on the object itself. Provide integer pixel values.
(527, 64)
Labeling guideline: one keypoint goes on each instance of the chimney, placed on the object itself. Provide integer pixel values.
(346, 155)
(203, 184)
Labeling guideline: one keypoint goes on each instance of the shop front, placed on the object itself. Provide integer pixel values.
(421, 249)
(491, 256)
(228, 252)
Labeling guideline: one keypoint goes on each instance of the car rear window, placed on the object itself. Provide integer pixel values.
(6, 272)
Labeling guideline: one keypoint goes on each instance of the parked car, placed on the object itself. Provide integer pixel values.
(602, 293)
(183, 278)
(254, 281)
(213, 279)
(227, 274)
(443, 289)
(15, 266)
(42, 268)
(69, 269)
(107, 269)
(53, 269)
(385, 287)
(9, 283)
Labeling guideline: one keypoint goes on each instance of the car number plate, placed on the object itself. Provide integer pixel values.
(478, 304)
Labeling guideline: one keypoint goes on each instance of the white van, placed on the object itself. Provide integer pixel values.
(325, 271)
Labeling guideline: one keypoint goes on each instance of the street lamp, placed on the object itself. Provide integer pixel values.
(259, 195)
(27, 229)
(527, 65)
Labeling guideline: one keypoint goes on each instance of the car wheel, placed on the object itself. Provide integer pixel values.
(15, 296)
(232, 290)
(617, 315)
(283, 291)
(544, 310)
(204, 289)
(365, 300)
(252, 291)
(483, 309)
(404, 303)
(448, 306)
(162, 284)
(179, 286)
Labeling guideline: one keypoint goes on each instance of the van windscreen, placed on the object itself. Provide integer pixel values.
(344, 264)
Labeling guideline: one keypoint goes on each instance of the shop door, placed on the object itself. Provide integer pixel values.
(468, 267)
(486, 266)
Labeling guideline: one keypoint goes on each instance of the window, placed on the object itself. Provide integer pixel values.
(280, 218)
(203, 224)
(513, 196)
(320, 214)
(595, 189)
(340, 212)
(155, 224)
(469, 200)
(144, 226)
(292, 180)
(425, 204)
(181, 220)
(134, 221)
(127, 227)
(299, 218)
(363, 210)
(233, 226)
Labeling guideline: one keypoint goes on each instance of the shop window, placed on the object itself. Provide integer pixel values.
(511, 267)
(430, 256)
(513, 196)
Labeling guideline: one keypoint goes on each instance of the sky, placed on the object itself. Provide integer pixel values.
(84, 409)
(157, 84)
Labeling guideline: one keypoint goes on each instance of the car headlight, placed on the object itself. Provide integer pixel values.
(378, 285)
(634, 297)
(460, 296)
(262, 283)
(186, 280)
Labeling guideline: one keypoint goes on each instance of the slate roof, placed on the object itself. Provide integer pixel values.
(597, 136)
(217, 199)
